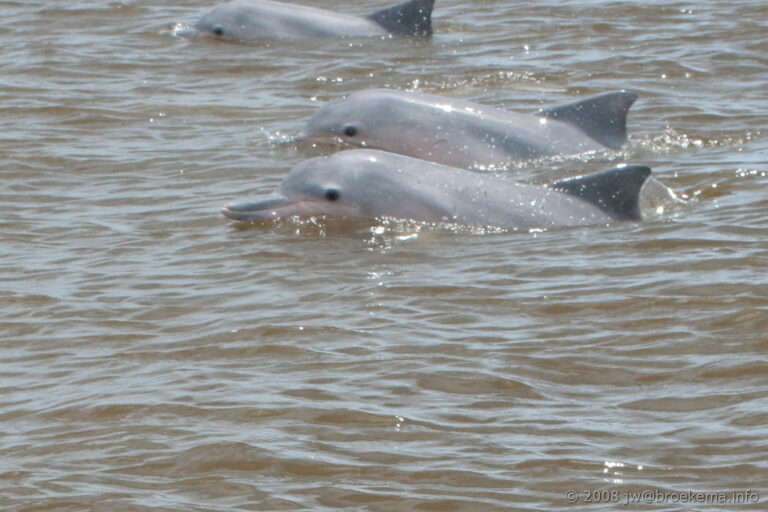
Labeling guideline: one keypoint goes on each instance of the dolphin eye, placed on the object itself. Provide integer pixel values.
(218, 31)
(350, 131)
(332, 194)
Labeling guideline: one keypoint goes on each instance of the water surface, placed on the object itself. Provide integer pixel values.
(155, 357)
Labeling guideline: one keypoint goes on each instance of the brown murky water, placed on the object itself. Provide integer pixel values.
(155, 357)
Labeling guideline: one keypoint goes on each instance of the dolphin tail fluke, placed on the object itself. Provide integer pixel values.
(411, 18)
(616, 191)
(603, 117)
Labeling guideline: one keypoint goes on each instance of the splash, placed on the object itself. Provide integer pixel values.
(671, 141)
(658, 200)
(487, 81)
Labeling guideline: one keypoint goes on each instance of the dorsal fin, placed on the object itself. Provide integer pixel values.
(411, 18)
(616, 191)
(603, 117)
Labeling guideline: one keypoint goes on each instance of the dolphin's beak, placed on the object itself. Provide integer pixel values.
(318, 132)
(309, 134)
(276, 206)
(321, 140)
(265, 208)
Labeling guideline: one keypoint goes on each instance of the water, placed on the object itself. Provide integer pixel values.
(156, 357)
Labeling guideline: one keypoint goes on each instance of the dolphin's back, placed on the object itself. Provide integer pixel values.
(471, 198)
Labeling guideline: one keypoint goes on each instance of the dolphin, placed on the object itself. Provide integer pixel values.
(363, 183)
(247, 20)
(466, 134)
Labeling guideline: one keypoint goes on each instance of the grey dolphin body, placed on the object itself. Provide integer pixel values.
(246, 20)
(370, 183)
(466, 134)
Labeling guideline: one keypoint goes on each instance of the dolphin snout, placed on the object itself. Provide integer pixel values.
(267, 208)
(277, 206)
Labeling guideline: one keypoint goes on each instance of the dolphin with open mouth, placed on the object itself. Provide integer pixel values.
(467, 134)
(369, 184)
(249, 20)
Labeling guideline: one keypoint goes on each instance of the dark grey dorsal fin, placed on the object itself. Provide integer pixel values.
(411, 18)
(616, 191)
(603, 117)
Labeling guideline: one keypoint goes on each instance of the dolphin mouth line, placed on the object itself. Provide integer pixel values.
(321, 137)
(260, 210)
(279, 207)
